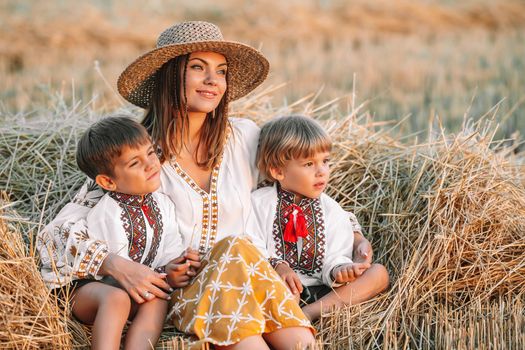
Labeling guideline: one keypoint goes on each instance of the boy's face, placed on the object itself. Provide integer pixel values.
(136, 170)
(306, 177)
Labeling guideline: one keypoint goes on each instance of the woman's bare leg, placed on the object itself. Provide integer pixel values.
(290, 338)
(253, 342)
(372, 282)
(106, 308)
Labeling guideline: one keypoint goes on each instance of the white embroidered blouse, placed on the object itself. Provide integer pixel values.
(225, 209)
(67, 246)
(143, 230)
(328, 243)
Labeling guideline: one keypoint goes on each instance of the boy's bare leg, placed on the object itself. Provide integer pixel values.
(372, 282)
(147, 324)
(290, 338)
(106, 308)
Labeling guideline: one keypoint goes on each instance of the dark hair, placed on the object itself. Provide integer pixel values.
(103, 142)
(167, 116)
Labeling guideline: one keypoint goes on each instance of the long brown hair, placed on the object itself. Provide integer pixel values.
(167, 118)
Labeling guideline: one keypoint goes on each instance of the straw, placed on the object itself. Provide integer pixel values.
(446, 216)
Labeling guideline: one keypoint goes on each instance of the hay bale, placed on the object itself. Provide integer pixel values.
(447, 218)
(29, 317)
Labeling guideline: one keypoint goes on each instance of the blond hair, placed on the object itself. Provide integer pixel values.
(289, 137)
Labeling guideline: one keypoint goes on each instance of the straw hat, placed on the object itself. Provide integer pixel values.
(247, 67)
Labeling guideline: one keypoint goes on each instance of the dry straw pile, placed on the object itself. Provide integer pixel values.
(29, 317)
(446, 216)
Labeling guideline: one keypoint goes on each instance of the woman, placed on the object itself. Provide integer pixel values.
(236, 300)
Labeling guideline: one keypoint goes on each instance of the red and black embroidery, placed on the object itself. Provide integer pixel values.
(312, 255)
(157, 225)
(134, 208)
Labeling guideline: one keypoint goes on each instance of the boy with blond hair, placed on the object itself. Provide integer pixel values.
(314, 245)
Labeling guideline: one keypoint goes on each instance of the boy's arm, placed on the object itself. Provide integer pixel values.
(66, 249)
(362, 247)
(339, 236)
(104, 224)
(172, 241)
(179, 264)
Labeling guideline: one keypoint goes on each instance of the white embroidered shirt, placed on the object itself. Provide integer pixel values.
(330, 233)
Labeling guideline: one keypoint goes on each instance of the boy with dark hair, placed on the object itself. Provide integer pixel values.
(135, 223)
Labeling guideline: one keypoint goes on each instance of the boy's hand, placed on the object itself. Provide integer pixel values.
(192, 256)
(181, 269)
(178, 272)
(363, 252)
(349, 272)
(290, 278)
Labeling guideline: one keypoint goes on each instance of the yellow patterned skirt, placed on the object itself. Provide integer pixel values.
(236, 294)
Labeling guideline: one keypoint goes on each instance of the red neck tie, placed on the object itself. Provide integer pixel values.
(296, 225)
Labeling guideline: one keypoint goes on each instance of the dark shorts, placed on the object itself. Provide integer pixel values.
(65, 291)
(313, 293)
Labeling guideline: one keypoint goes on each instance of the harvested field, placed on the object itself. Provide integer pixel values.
(418, 58)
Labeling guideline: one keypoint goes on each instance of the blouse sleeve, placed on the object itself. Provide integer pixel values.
(254, 232)
(66, 249)
(247, 133)
(339, 240)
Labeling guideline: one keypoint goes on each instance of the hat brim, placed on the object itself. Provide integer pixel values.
(247, 69)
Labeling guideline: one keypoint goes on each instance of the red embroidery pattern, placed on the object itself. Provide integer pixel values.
(313, 245)
(135, 226)
(155, 220)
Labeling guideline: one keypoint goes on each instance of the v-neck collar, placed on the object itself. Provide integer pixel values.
(210, 203)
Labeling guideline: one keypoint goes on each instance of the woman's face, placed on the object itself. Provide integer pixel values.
(205, 81)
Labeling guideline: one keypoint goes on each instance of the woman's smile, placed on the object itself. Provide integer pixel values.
(207, 94)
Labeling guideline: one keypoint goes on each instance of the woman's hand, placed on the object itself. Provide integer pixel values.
(290, 278)
(141, 282)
